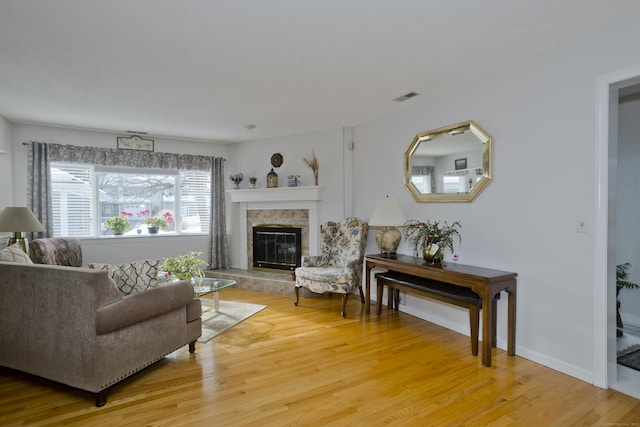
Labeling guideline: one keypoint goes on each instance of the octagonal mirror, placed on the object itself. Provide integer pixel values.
(448, 164)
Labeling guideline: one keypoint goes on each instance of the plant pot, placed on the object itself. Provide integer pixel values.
(292, 183)
(152, 230)
(433, 254)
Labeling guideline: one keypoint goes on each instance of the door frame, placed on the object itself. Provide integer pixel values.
(604, 297)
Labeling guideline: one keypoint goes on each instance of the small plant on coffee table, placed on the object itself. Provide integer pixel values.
(184, 267)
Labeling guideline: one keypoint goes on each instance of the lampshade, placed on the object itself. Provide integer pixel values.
(387, 212)
(18, 218)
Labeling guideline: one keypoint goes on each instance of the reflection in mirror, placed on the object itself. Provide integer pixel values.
(449, 164)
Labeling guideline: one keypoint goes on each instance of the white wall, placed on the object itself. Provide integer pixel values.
(6, 165)
(114, 250)
(541, 114)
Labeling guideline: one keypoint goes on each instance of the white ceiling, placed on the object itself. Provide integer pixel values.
(205, 69)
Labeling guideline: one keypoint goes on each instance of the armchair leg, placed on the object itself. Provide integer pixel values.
(297, 296)
(192, 347)
(361, 295)
(344, 304)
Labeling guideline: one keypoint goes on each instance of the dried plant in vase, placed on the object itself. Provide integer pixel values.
(313, 163)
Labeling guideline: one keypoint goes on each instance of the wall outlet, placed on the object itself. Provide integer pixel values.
(403, 298)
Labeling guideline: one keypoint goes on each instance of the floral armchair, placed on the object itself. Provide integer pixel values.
(339, 267)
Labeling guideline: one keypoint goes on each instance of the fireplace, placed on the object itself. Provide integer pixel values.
(277, 246)
(286, 205)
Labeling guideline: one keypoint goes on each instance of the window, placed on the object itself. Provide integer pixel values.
(84, 196)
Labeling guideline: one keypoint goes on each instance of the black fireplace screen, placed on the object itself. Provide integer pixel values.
(277, 247)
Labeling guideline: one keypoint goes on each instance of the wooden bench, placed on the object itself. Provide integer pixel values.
(452, 294)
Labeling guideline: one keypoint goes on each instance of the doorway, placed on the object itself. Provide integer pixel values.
(607, 373)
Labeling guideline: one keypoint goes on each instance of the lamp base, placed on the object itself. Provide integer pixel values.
(18, 237)
(388, 239)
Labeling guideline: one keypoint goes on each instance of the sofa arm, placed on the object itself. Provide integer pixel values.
(135, 308)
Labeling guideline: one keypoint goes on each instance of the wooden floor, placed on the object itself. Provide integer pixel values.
(308, 366)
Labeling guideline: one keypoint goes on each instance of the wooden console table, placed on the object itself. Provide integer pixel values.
(485, 282)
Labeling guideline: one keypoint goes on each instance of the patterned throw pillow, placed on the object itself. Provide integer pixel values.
(132, 277)
(14, 253)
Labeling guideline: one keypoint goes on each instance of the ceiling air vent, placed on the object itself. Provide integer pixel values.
(406, 96)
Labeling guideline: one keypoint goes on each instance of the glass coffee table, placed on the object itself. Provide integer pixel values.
(207, 285)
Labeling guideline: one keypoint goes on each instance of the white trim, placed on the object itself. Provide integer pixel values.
(604, 364)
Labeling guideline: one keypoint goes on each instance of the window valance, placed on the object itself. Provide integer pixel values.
(129, 158)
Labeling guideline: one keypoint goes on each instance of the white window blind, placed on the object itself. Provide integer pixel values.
(72, 198)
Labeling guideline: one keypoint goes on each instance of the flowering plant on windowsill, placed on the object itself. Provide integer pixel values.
(118, 224)
(159, 221)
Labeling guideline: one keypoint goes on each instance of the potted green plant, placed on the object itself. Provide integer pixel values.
(431, 239)
(252, 182)
(622, 271)
(118, 224)
(158, 222)
(293, 180)
(184, 267)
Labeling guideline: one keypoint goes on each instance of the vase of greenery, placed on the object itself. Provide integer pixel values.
(184, 267)
(252, 182)
(431, 239)
(118, 224)
(293, 180)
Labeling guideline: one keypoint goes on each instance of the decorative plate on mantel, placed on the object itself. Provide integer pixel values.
(276, 160)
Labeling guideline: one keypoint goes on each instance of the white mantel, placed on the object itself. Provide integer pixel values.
(279, 198)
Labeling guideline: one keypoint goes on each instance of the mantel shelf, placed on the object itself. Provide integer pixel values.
(279, 194)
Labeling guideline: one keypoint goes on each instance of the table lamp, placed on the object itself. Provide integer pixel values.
(18, 219)
(388, 214)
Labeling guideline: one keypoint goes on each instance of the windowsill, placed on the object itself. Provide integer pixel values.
(140, 238)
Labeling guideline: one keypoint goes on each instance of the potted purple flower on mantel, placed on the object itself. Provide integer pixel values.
(237, 179)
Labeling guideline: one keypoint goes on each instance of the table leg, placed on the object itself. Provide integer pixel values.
(367, 303)
(216, 301)
(511, 338)
(487, 321)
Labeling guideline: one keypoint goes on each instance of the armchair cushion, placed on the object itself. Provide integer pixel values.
(14, 253)
(132, 277)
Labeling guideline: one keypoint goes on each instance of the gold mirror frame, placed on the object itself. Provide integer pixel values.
(441, 134)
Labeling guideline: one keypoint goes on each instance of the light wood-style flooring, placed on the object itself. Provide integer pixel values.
(307, 366)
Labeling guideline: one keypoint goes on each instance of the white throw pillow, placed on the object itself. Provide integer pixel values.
(14, 253)
(132, 277)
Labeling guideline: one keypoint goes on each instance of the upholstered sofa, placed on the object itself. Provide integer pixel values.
(74, 326)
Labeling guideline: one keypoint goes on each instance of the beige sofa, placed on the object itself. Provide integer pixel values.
(72, 325)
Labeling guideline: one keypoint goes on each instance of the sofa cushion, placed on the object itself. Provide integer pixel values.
(14, 253)
(132, 277)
